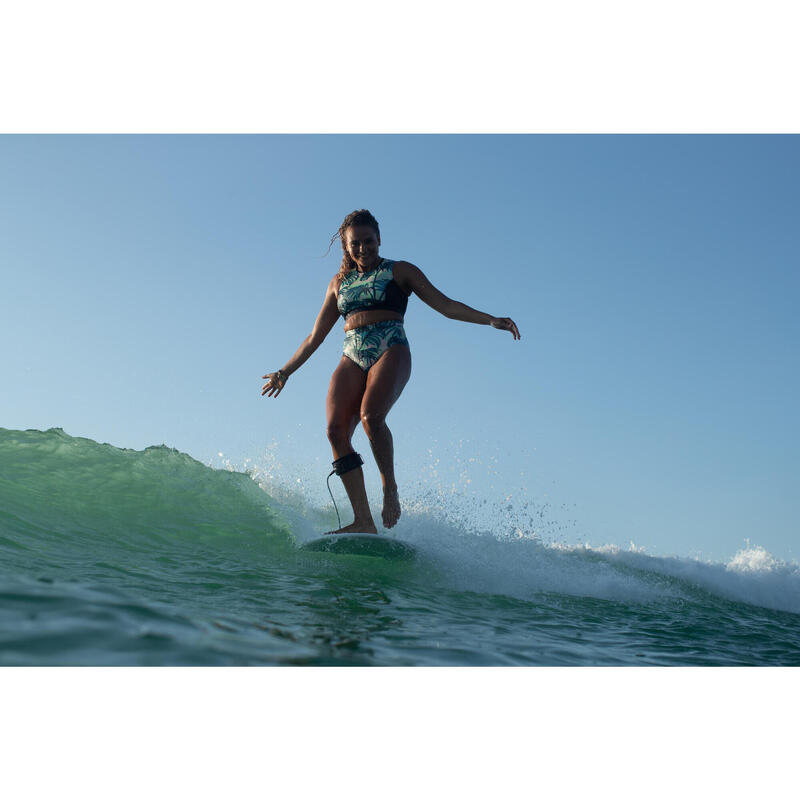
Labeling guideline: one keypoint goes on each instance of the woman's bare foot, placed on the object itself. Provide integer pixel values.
(356, 527)
(391, 506)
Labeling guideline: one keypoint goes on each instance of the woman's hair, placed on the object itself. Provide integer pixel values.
(361, 217)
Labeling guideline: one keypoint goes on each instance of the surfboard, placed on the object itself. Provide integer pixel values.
(361, 544)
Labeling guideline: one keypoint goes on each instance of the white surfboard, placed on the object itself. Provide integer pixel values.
(361, 544)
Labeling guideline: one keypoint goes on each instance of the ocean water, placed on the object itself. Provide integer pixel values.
(122, 557)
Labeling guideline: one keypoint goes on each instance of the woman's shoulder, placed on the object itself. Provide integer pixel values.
(406, 275)
(404, 266)
(405, 269)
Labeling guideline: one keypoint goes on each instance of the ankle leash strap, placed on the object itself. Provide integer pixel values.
(342, 465)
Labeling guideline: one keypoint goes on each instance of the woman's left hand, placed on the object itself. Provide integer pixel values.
(506, 324)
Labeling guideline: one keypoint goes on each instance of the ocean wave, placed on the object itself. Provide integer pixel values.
(56, 489)
(66, 501)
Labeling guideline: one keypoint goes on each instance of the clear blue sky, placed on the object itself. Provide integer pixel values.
(149, 281)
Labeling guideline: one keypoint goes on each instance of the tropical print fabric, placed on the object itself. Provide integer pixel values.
(364, 290)
(367, 344)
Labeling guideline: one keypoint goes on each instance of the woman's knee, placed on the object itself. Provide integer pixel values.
(374, 423)
(338, 432)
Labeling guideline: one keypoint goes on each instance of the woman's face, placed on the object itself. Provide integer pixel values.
(362, 245)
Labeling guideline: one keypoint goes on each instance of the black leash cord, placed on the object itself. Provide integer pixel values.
(340, 467)
(328, 481)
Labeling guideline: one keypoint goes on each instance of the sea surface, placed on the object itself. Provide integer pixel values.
(122, 557)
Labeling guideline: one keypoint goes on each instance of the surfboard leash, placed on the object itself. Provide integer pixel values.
(328, 481)
(340, 466)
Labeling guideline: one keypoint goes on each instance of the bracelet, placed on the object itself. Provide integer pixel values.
(281, 375)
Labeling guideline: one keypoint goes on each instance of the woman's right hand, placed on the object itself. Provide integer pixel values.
(275, 383)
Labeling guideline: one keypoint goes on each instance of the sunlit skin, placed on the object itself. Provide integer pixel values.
(356, 396)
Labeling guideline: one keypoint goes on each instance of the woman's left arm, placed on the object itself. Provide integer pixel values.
(413, 279)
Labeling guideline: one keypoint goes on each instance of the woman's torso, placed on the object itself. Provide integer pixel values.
(369, 297)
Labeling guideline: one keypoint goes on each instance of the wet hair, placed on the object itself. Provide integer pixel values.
(360, 217)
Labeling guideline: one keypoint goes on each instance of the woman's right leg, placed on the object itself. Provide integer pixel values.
(343, 411)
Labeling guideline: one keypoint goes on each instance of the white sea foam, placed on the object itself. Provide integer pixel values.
(519, 551)
(520, 565)
(752, 576)
(755, 560)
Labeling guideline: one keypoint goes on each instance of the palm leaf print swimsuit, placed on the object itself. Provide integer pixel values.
(370, 291)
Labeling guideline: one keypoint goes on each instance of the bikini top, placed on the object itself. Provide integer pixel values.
(370, 291)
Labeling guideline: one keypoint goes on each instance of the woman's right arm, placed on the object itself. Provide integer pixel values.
(326, 319)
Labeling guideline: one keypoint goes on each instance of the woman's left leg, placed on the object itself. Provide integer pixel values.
(386, 380)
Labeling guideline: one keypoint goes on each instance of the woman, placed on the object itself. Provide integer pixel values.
(372, 294)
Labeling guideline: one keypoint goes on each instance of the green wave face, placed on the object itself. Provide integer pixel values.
(54, 487)
(113, 556)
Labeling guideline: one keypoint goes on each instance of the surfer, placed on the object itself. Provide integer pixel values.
(371, 293)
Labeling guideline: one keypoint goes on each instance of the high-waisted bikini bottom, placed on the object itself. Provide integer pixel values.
(367, 344)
